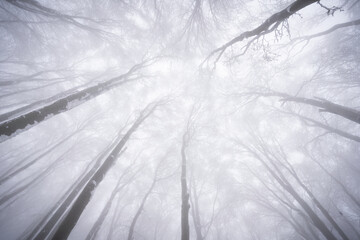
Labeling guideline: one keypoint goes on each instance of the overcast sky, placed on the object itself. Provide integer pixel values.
(269, 111)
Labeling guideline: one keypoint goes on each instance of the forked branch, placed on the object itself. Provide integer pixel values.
(266, 27)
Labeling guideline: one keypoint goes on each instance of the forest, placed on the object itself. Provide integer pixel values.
(190, 119)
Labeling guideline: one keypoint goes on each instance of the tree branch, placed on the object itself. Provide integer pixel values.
(268, 26)
(330, 30)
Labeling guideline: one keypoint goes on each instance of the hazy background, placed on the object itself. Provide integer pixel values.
(239, 130)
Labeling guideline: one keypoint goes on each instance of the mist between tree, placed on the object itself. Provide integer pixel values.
(195, 119)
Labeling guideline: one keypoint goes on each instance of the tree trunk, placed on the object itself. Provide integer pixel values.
(13, 192)
(49, 223)
(327, 106)
(78, 207)
(343, 187)
(194, 200)
(16, 169)
(31, 117)
(185, 232)
(74, 212)
(94, 230)
(324, 105)
(139, 211)
(281, 179)
(327, 128)
(293, 173)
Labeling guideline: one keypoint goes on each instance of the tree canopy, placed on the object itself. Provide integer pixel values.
(194, 119)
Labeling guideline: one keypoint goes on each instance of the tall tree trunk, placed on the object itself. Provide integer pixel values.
(26, 118)
(115, 218)
(343, 187)
(194, 200)
(288, 205)
(141, 207)
(49, 223)
(81, 202)
(139, 211)
(285, 184)
(47, 227)
(323, 104)
(315, 200)
(94, 230)
(54, 212)
(185, 206)
(327, 106)
(287, 165)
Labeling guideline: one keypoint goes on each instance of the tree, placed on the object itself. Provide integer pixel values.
(287, 186)
(94, 230)
(185, 206)
(261, 141)
(84, 196)
(155, 179)
(268, 26)
(28, 116)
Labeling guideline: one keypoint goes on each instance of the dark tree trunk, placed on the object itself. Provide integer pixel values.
(185, 206)
(70, 220)
(49, 223)
(323, 104)
(94, 230)
(31, 117)
(327, 106)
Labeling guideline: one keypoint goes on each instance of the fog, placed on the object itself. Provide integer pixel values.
(193, 119)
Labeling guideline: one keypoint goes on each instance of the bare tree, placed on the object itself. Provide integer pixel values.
(294, 177)
(18, 168)
(185, 206)
(185, 195)
(282, 180)
(84, 197)
(82, 193)
(119, 186)
(268, 26)
(27, 117)
(323, 104)
(155, 179)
